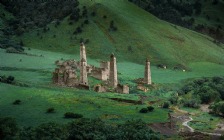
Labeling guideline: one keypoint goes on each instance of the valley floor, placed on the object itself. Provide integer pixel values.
(35, 71)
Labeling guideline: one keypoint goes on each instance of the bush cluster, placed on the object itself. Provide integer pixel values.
(8, 80)
(88, 129)
(72, 115)
(208, 89)
(30, 13)
(146, 110)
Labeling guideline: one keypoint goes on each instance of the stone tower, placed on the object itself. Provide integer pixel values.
(113, 72)
(83, 72)
(147, 78)
(83, 52)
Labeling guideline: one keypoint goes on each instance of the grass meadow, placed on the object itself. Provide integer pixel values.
(41, 94)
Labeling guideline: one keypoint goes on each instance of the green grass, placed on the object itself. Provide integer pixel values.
(148, 36)
(203, 121)
(41, 94)
(35, 102)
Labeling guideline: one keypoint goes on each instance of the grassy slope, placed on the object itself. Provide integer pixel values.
(148, 36)
(36, 71)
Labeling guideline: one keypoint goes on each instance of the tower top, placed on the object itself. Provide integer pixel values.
(147, 59)
(82, 44)
(112, 55)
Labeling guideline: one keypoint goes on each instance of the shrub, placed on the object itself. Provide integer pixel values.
(72, 115)
(87, 41)
(49, 131)
(144, 110)
(194, 103)
(217, 108)
(86, 21)
(21, 43)
(8, 128)
(10, 79)
(150, 108)
(166, 105)
(93, 14)
(50, 110)
(78, 30)
(17, 102)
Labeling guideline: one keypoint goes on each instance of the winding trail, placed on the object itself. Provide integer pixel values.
(185, 123)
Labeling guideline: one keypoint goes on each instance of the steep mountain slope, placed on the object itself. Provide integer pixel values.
(139, 35)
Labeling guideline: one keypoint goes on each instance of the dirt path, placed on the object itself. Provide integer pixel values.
(184, 116)
(185, 123)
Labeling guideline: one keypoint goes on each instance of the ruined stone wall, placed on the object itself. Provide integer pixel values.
(100, 73)
(105, 75)
(100, 88)
(105, 64)
(97, 74)
(125, 89)
(72, 82)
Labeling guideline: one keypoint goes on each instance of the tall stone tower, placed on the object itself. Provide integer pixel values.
(147, 78)
(83, 52)
(113, 72)
(83, 72)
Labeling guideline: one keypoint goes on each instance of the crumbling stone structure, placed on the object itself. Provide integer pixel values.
(113, 72)
(83, 72)
(142, 88)
(108, 71)
(100, 88)
(147, 78)
(122, 89)
(66, 75)
(103, 72)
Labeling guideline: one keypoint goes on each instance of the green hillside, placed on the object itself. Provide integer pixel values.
(139, 35)
(195, 68)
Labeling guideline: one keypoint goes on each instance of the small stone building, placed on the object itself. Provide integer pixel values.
(65, 75)
(122, 89)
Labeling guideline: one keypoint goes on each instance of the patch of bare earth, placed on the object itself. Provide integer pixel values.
(164, 128)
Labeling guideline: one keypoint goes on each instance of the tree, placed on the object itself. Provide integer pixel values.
(72, 115)
(166, 105)
(217, 108)
(209, 96)
(8, 128)
(150, 108)
(46, 131)
(144, 110)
